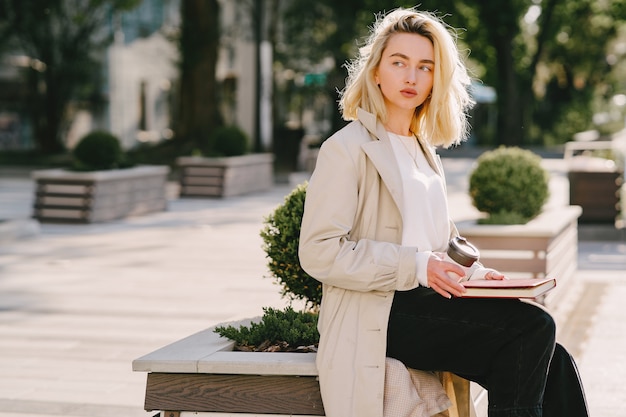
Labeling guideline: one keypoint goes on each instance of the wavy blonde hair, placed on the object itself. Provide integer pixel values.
(442, 119)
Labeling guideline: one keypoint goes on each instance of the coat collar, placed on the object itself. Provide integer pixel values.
(377, 129)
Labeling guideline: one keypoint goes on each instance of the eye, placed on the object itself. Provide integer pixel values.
(426, 68)
(397, 63)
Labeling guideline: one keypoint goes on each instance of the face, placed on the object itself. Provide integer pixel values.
(405, 72)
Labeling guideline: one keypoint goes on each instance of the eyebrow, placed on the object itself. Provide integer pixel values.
(401, 55)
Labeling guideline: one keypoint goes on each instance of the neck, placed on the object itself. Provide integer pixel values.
(399, 124)
(399, 132)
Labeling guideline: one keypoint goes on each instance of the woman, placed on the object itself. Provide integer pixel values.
(374, 229)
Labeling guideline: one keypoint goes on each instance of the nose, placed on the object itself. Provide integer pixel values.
(411, 77)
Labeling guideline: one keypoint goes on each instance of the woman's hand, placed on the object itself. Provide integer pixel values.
(444, 277)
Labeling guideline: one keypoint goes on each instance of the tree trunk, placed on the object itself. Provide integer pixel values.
(510, 127)
(198, 109)
(46, 110)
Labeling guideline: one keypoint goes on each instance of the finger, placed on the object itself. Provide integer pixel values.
(450, 287)
(441, 292)
(494, 275)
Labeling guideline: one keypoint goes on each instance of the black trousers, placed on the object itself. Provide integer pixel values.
(506, 346)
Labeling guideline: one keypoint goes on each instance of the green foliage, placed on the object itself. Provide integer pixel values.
(281, 237)
(286, 330)
(98, 150)
(504, 217)
(226, 141)
(509, 184)
(161, 153)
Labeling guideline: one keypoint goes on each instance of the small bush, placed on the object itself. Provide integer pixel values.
(281, 237)
(504, 217)
(509, 184)
(98, 150)
(227, 141)
(286, 330)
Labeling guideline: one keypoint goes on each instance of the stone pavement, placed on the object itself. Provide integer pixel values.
(79, 302)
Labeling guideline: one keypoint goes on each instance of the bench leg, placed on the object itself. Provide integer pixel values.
(458, 390)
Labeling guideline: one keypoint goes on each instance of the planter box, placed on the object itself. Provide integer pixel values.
(97, 196)
(598, 193)
(225, 177)
(545, 246)
(595, 182)
(201, 374)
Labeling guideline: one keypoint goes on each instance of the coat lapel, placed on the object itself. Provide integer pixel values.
(380, 152)
(378, 131)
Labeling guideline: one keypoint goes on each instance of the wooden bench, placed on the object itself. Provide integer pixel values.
(201, 374)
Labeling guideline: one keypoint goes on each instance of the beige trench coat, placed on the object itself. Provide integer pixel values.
(350, 241)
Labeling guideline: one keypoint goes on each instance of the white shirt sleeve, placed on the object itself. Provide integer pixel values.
(422, 267)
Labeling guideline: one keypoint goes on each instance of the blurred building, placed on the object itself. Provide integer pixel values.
(140, 69)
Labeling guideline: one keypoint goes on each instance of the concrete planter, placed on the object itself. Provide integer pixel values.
(225, 177)
(98, 196)
(545, 246)
(201, 374)
(595, 182)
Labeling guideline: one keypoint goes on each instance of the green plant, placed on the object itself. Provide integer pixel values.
(281, 236)
(286, 330)
(226, 141)
(509, 184)
(98, 150)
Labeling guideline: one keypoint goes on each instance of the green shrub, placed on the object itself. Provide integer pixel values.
(509, 184)
(226, 141)
(281, 237)
(286, 330)
(278, 331)
(98, 150)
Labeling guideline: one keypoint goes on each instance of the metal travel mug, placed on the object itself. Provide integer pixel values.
(463, 253)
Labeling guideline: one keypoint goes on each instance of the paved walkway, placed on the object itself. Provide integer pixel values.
(79, 302)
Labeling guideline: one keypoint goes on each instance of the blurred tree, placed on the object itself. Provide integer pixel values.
(578, 66)
(198, 112)
(59, 39)
(323, 30)
(545, 58)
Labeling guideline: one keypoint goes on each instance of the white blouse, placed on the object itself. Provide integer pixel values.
(425, 212)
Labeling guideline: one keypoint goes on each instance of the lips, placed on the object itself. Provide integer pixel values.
(408, 92)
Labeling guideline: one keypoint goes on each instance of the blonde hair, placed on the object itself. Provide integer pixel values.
(442, 119)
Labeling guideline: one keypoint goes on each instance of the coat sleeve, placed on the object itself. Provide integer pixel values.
(327, 250)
